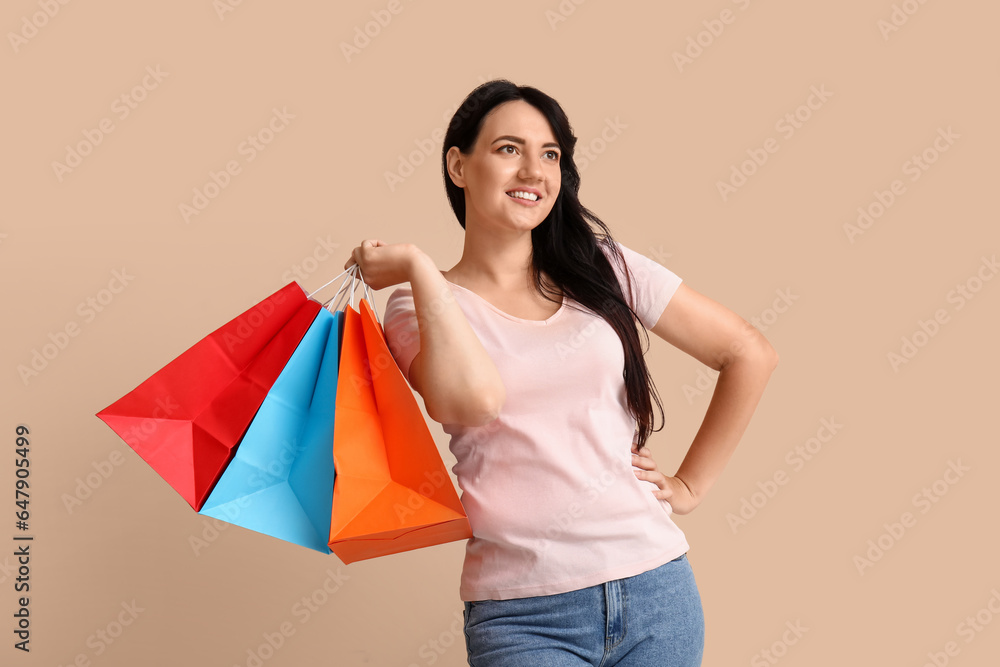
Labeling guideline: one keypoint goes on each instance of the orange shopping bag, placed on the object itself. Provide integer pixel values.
(392, 492)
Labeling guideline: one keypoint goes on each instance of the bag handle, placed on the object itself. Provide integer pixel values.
(339, 289)
(354, 275)
(366, 294)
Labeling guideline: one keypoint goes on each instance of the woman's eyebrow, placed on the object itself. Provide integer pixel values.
(519, 140)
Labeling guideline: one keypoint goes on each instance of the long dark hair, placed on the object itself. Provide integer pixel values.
(564, 246)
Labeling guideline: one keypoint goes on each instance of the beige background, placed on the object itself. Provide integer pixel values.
(321, 181)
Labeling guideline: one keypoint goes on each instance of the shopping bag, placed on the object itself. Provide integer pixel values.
(280, 481)
(392, 492)
(185, 419)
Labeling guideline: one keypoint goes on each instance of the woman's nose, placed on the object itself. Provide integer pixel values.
(531, 168)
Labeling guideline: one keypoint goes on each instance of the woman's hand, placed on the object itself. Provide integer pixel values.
(383, 264)
(672, 489)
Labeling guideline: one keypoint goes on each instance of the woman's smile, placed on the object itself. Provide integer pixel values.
(526, 196)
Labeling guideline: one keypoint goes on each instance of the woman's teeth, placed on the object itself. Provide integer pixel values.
(520, 194)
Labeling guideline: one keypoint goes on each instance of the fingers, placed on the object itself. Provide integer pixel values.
(357, 253)
(660, 480)
(353, 259)
(644, 459)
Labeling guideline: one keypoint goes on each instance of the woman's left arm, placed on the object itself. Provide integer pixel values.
(724, 341)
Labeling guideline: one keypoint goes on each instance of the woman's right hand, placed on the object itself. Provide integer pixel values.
(383, 264)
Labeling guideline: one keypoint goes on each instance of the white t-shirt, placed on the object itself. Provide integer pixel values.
(549, 485)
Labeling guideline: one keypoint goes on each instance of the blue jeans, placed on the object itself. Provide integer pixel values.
(652, 619)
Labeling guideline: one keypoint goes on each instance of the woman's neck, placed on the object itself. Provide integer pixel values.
(490, 263)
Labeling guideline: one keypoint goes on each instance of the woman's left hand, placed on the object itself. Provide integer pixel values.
(671, 489)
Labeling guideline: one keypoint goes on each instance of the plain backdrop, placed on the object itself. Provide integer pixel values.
(825, 170)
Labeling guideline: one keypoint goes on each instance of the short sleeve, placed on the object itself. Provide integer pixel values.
(399, 322)
(653, 285)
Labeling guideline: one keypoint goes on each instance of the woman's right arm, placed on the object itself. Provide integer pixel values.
(452, 371)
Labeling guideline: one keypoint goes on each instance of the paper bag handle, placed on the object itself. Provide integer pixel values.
(355, 277)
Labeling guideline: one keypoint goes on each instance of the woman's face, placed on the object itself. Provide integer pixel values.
(512, 176)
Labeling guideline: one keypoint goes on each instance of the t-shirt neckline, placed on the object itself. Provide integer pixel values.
(553, 316)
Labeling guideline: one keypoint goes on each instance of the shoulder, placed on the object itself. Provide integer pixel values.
(647, 284)
(616, 252)
(624, 258)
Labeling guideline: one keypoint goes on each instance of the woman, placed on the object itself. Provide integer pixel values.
(527, 352)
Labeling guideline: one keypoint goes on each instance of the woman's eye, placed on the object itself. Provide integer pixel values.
(552, 155)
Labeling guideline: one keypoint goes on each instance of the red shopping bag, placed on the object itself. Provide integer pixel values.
(187, 418)
(392, 492)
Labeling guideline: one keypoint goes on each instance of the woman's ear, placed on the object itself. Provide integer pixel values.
(455, 163)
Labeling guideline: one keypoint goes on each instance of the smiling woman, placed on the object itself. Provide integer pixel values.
(527, 351)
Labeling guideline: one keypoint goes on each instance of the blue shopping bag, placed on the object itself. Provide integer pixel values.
(280, 481)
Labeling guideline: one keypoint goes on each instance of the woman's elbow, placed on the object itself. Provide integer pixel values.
(756, 351)
(473, 408)
(765, 353)
(486, 408)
